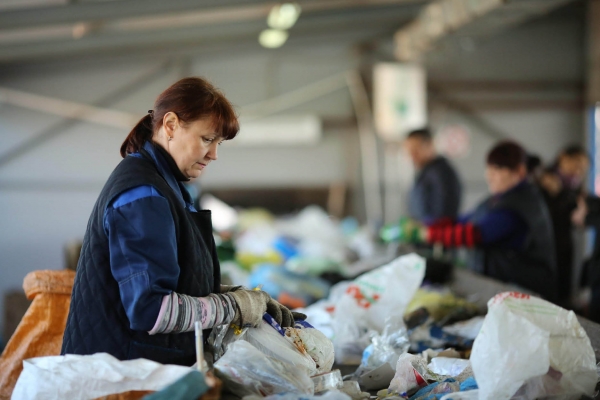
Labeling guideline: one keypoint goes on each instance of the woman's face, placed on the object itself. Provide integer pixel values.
(193, 145)
(501, 179)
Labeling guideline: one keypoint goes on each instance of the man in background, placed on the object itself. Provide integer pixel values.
(436, 193)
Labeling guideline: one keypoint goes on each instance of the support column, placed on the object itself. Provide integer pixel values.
(593, 51)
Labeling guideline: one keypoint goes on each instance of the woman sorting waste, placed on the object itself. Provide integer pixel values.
(148, 267)
(510, 232)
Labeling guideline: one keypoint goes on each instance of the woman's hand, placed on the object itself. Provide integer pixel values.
(283, 315)
(251, 306)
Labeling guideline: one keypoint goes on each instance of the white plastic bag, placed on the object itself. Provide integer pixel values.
(448, 366)
(88, 377)
(273, 343)
(368, 302)
(318, 347)
(533, 347)
(301, 346)
(247, 371)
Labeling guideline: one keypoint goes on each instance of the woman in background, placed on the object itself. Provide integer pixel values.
(510, 233)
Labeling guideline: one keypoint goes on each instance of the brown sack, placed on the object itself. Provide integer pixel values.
(40, 332)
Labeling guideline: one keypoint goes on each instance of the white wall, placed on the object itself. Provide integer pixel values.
(47, 194)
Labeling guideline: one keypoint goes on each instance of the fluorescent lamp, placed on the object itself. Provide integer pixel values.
(283, 16)
(272, 38)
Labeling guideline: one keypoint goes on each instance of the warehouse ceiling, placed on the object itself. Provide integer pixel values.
(41, 30)
(48, 30)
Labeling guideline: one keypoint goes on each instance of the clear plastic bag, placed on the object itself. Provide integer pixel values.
(385, 348)
(531, 348)
(247, 371)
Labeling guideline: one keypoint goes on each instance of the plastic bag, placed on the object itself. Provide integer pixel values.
(301, 345)
(533, 347)
(88, 377)
(448, 366)
(316, 344)
(385, 348)
(247, 371)
(467, 329)
(411, 374)
(368, 302)
(272, 341)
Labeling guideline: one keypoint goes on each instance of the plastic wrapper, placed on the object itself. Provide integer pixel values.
(385, 348)
(411, 374)
(368, 302)
(247, 371)
(532, 348)
(328, 381)
(448, 366)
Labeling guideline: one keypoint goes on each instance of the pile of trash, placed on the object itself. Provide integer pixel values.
(408, 340)
(422, 342)
(411, 341)
(295, 259)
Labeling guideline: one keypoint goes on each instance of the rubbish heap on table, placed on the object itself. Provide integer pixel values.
(393, 331)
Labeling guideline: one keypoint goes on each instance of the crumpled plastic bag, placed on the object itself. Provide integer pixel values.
(412, 373)
(368, 302)
(448, 366)
(245, 371)
(88, 377)
(316, 344)
(384, 348)
(531, 348)
(302, 345)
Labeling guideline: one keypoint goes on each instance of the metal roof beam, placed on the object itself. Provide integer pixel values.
(105, 10)
(118, 10)
(442, 18)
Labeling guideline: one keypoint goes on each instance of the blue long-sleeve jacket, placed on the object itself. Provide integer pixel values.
(143, 247)
(436, 193)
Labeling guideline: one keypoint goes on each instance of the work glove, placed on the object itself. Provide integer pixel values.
(280, 313)
(251, 305)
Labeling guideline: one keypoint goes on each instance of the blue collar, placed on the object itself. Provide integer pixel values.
(165, 171)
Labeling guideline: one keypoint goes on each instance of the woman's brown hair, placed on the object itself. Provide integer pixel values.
(190, 99)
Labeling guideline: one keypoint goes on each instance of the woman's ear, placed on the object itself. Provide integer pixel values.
(170, 123)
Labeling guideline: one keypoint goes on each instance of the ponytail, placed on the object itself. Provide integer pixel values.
(140, 133)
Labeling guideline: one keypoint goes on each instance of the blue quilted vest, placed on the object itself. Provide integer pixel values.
(534, 267)
(97, 321)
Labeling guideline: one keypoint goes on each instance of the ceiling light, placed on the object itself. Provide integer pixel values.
(272, 38)
(80, 29)
(283, 16)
